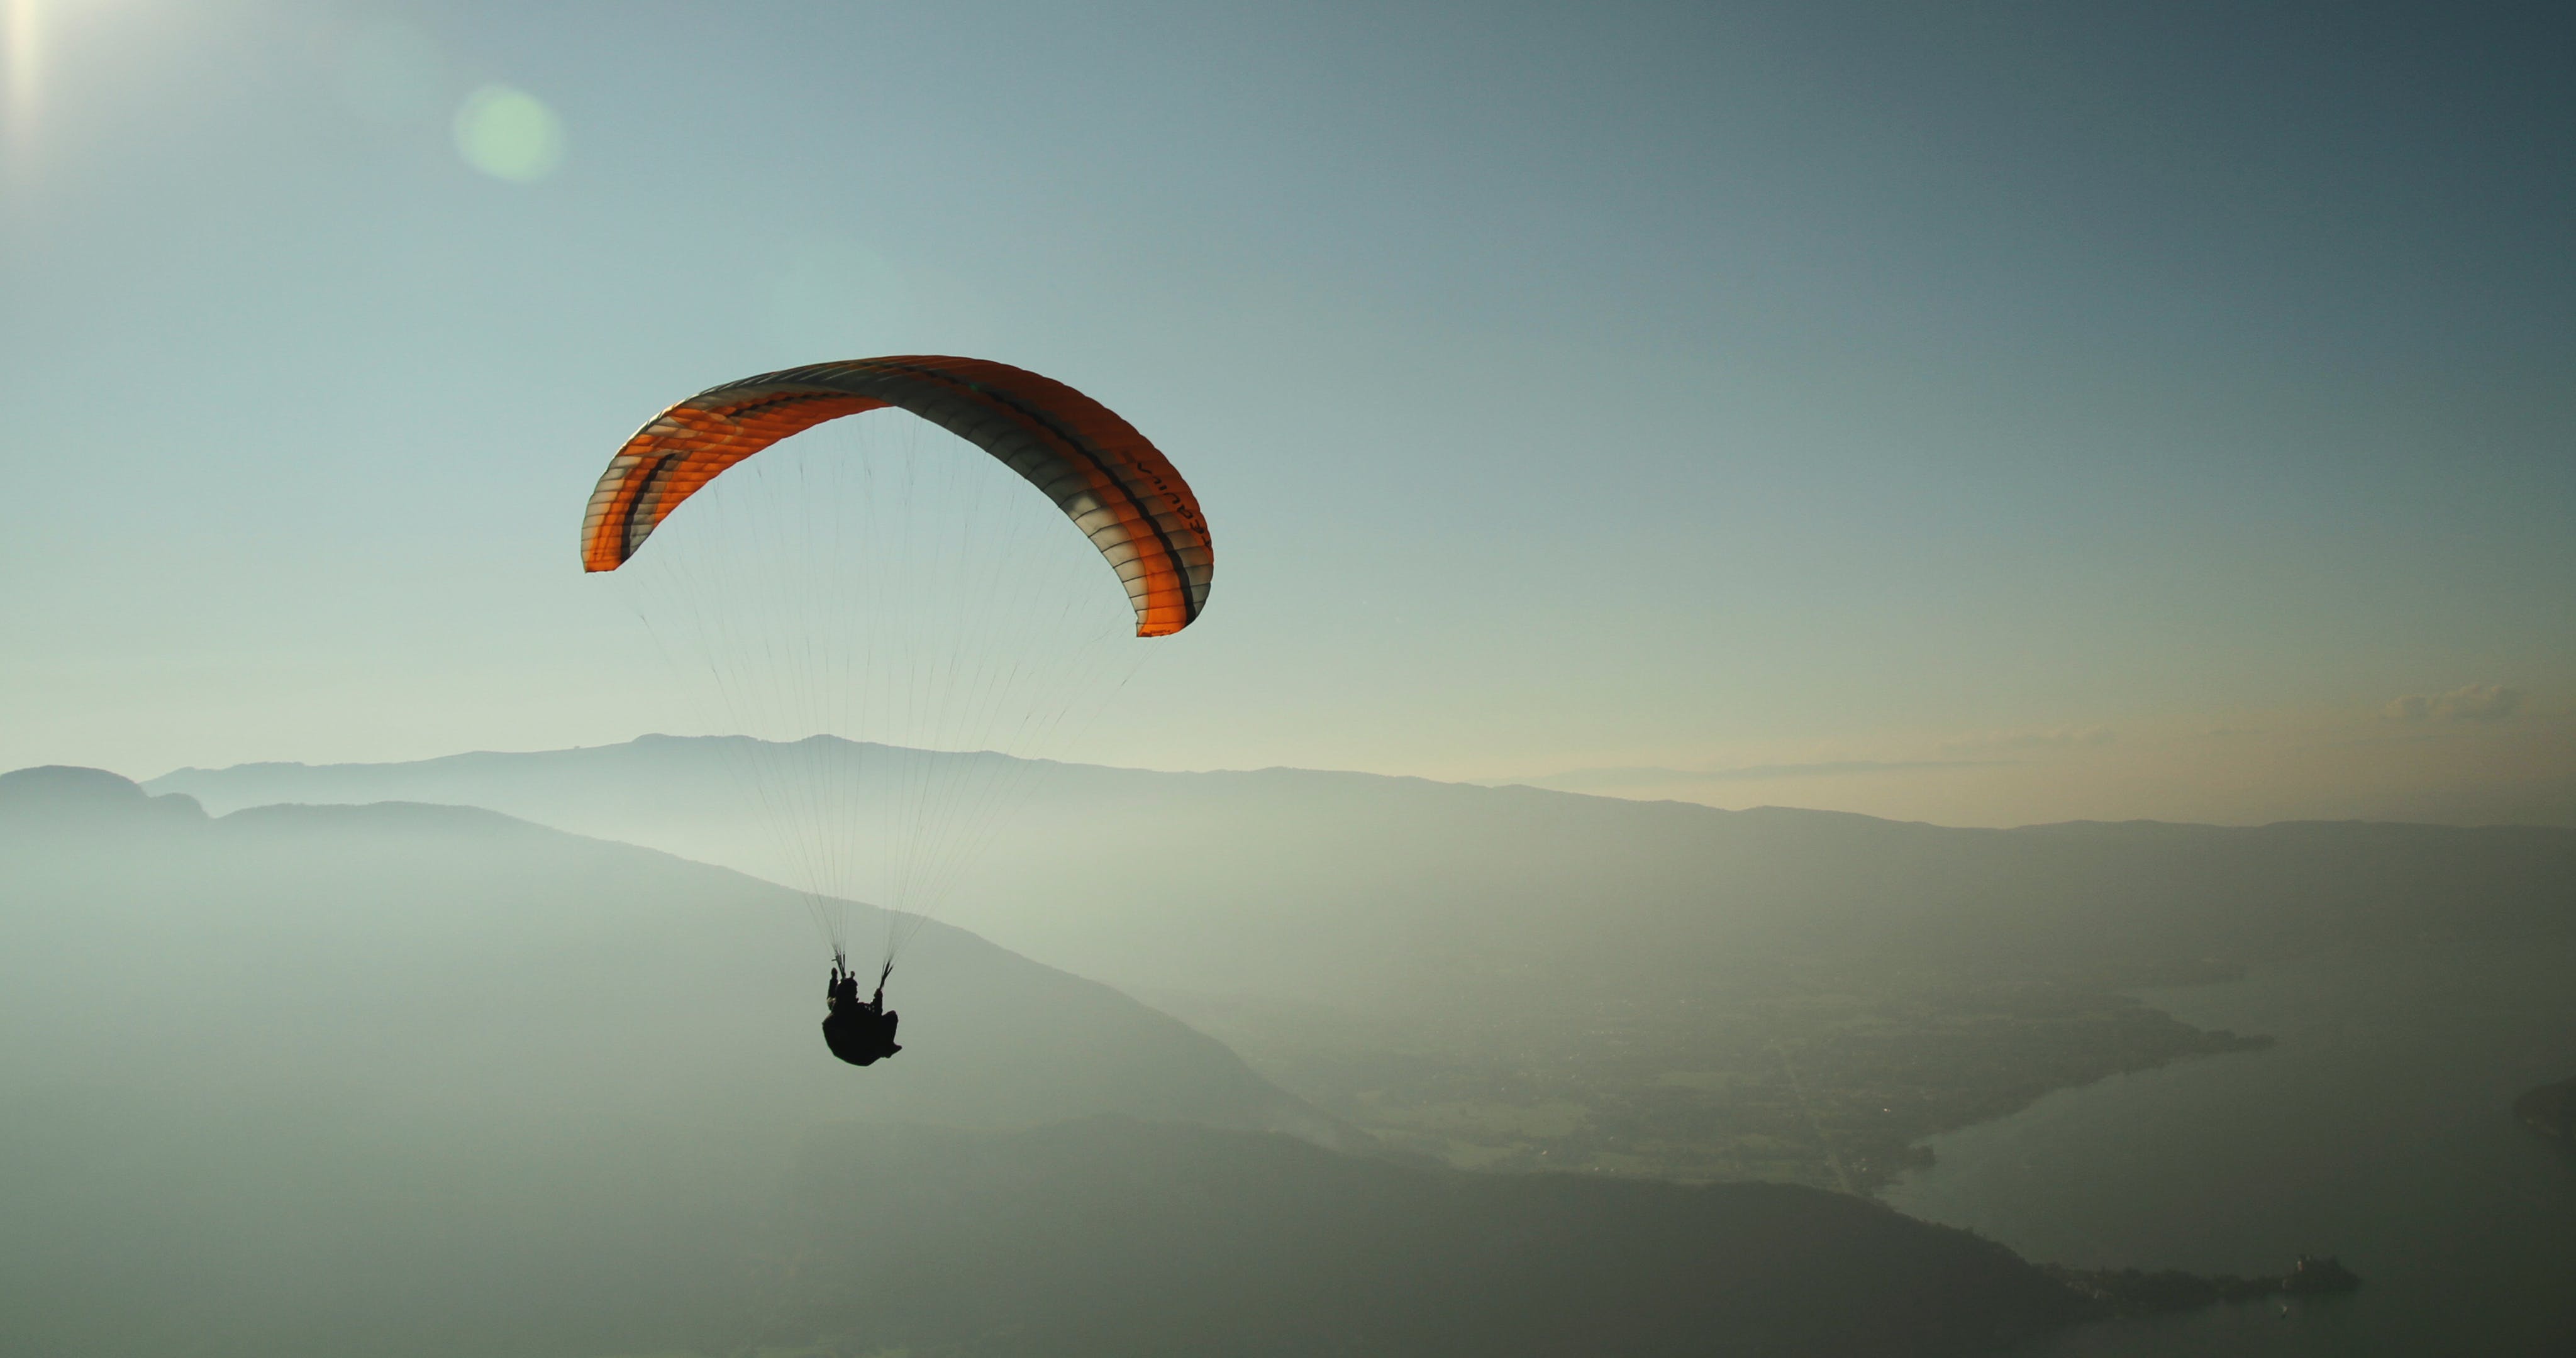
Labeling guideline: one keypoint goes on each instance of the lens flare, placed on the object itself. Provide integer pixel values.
(509, 134)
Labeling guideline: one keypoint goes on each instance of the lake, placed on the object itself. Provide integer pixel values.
(2379, 1129)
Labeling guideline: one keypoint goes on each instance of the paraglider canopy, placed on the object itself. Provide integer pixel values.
(1116, 487)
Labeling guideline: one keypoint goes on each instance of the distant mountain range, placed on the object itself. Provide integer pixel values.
(1399, 896)
(1635, 778)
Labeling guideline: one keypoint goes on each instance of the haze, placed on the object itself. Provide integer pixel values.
(1989, 416)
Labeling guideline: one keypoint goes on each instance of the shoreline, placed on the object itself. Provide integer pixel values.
(2137, 1292)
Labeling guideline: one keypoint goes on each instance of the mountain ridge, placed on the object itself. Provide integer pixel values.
(186, 775)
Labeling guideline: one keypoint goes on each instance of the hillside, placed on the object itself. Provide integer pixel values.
(380, 954)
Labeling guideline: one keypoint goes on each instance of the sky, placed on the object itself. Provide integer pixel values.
(1985, 414)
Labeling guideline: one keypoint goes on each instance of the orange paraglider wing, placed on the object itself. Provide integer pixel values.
(1116, 487)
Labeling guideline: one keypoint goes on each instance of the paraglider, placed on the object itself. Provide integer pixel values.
(859, 1033)
(888, 613)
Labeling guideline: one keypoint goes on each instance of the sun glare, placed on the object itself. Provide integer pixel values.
(21, 32)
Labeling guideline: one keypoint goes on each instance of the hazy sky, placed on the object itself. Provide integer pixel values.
(1979, 413)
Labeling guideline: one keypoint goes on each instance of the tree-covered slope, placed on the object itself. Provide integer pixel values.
(1108, 1237)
